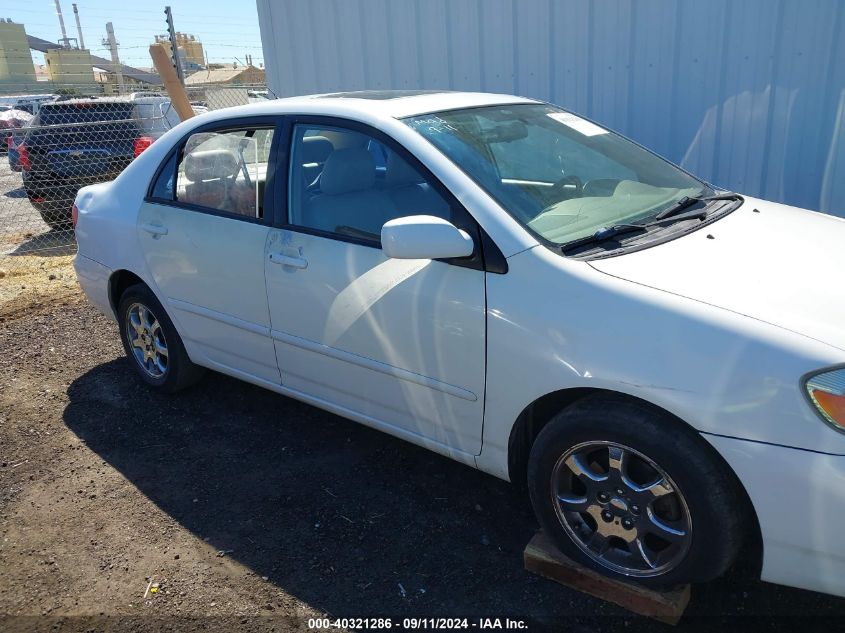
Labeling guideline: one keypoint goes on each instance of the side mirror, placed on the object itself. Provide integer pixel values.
(424, 237)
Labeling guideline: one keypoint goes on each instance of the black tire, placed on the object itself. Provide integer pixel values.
(716, 510)
(58, 219)
(179, 372)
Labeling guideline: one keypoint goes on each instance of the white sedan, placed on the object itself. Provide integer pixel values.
(515, 287)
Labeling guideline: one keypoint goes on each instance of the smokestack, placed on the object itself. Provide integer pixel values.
(115, 60)
(64, 41)
(78, 27)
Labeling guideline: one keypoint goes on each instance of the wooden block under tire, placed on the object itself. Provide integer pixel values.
(544, 559)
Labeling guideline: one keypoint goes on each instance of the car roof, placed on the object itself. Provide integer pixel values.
(380, 95)
(382, 103)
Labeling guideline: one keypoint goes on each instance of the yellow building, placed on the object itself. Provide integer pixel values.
(189, 47)
(15, 58)
(69, 66)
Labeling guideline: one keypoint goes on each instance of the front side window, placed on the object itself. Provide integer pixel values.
(560, 175)
(225, 171)
(349, 184)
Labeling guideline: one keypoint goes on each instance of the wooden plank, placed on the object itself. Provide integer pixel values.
(544, 559)
(165, 68)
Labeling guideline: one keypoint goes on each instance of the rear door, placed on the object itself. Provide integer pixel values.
(203, 231)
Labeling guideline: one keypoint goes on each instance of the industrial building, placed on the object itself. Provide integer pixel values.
(189, 49)
(16, 65)
(748, 95)
(69, 66)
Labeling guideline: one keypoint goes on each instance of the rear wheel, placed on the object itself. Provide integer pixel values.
(630, 492)
(152, 343)
(54, 214)
(56, 221)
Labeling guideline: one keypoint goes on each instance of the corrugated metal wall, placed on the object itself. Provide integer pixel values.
(747, 94)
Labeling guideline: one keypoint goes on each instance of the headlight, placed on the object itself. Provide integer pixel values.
(826, 391)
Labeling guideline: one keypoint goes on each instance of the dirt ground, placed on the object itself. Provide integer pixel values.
(29, 280)
(252, 511)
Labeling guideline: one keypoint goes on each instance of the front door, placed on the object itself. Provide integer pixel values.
(203, 232)
(398, 342)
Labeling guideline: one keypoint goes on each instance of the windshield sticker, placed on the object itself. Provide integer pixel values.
(434, 125)
(578, 124)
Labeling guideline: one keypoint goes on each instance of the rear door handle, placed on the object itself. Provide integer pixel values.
(287, 260)
(154, 229)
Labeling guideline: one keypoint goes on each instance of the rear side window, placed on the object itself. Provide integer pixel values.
(154, 119)
(165, 183)
(224, 171)
(90, 125)
(64, 113)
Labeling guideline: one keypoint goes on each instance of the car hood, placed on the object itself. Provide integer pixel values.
(767, 261)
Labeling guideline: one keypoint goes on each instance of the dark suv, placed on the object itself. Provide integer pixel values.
(79, 142)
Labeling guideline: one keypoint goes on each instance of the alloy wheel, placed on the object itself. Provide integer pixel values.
(621, 509)
(146, 340)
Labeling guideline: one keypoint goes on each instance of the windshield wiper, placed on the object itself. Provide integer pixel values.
(609, 232)
(603, 234)
(688, 201)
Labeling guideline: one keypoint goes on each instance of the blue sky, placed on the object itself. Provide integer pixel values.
(228, 29)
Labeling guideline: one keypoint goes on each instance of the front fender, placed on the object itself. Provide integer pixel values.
(555, 323)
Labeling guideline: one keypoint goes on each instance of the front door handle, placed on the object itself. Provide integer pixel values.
(288, 260)
(156, 230)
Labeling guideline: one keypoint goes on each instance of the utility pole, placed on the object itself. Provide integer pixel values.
(78, 27)
(111, 42)
(174, 49)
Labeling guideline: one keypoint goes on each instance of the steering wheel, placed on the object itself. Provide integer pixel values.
(569, 187)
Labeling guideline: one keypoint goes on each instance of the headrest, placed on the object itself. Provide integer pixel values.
(400, 173)
(348, 170)
(209, 164)
(315, 149)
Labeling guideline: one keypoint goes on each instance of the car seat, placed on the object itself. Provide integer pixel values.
(348, 202)
(210, 174)
(408, 191)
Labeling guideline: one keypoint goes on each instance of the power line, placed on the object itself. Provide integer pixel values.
(151, 12)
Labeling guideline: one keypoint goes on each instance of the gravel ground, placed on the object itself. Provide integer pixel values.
(253, 511)
(34, 260)
(21, 227)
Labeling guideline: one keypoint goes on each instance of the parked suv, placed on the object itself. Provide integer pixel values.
(80, 142)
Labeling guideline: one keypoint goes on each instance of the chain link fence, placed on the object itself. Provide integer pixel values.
(52, 144)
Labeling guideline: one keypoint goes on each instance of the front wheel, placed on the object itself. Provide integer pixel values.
(627, 490)
(152, 344)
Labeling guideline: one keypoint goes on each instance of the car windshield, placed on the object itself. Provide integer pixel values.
(560, 175)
